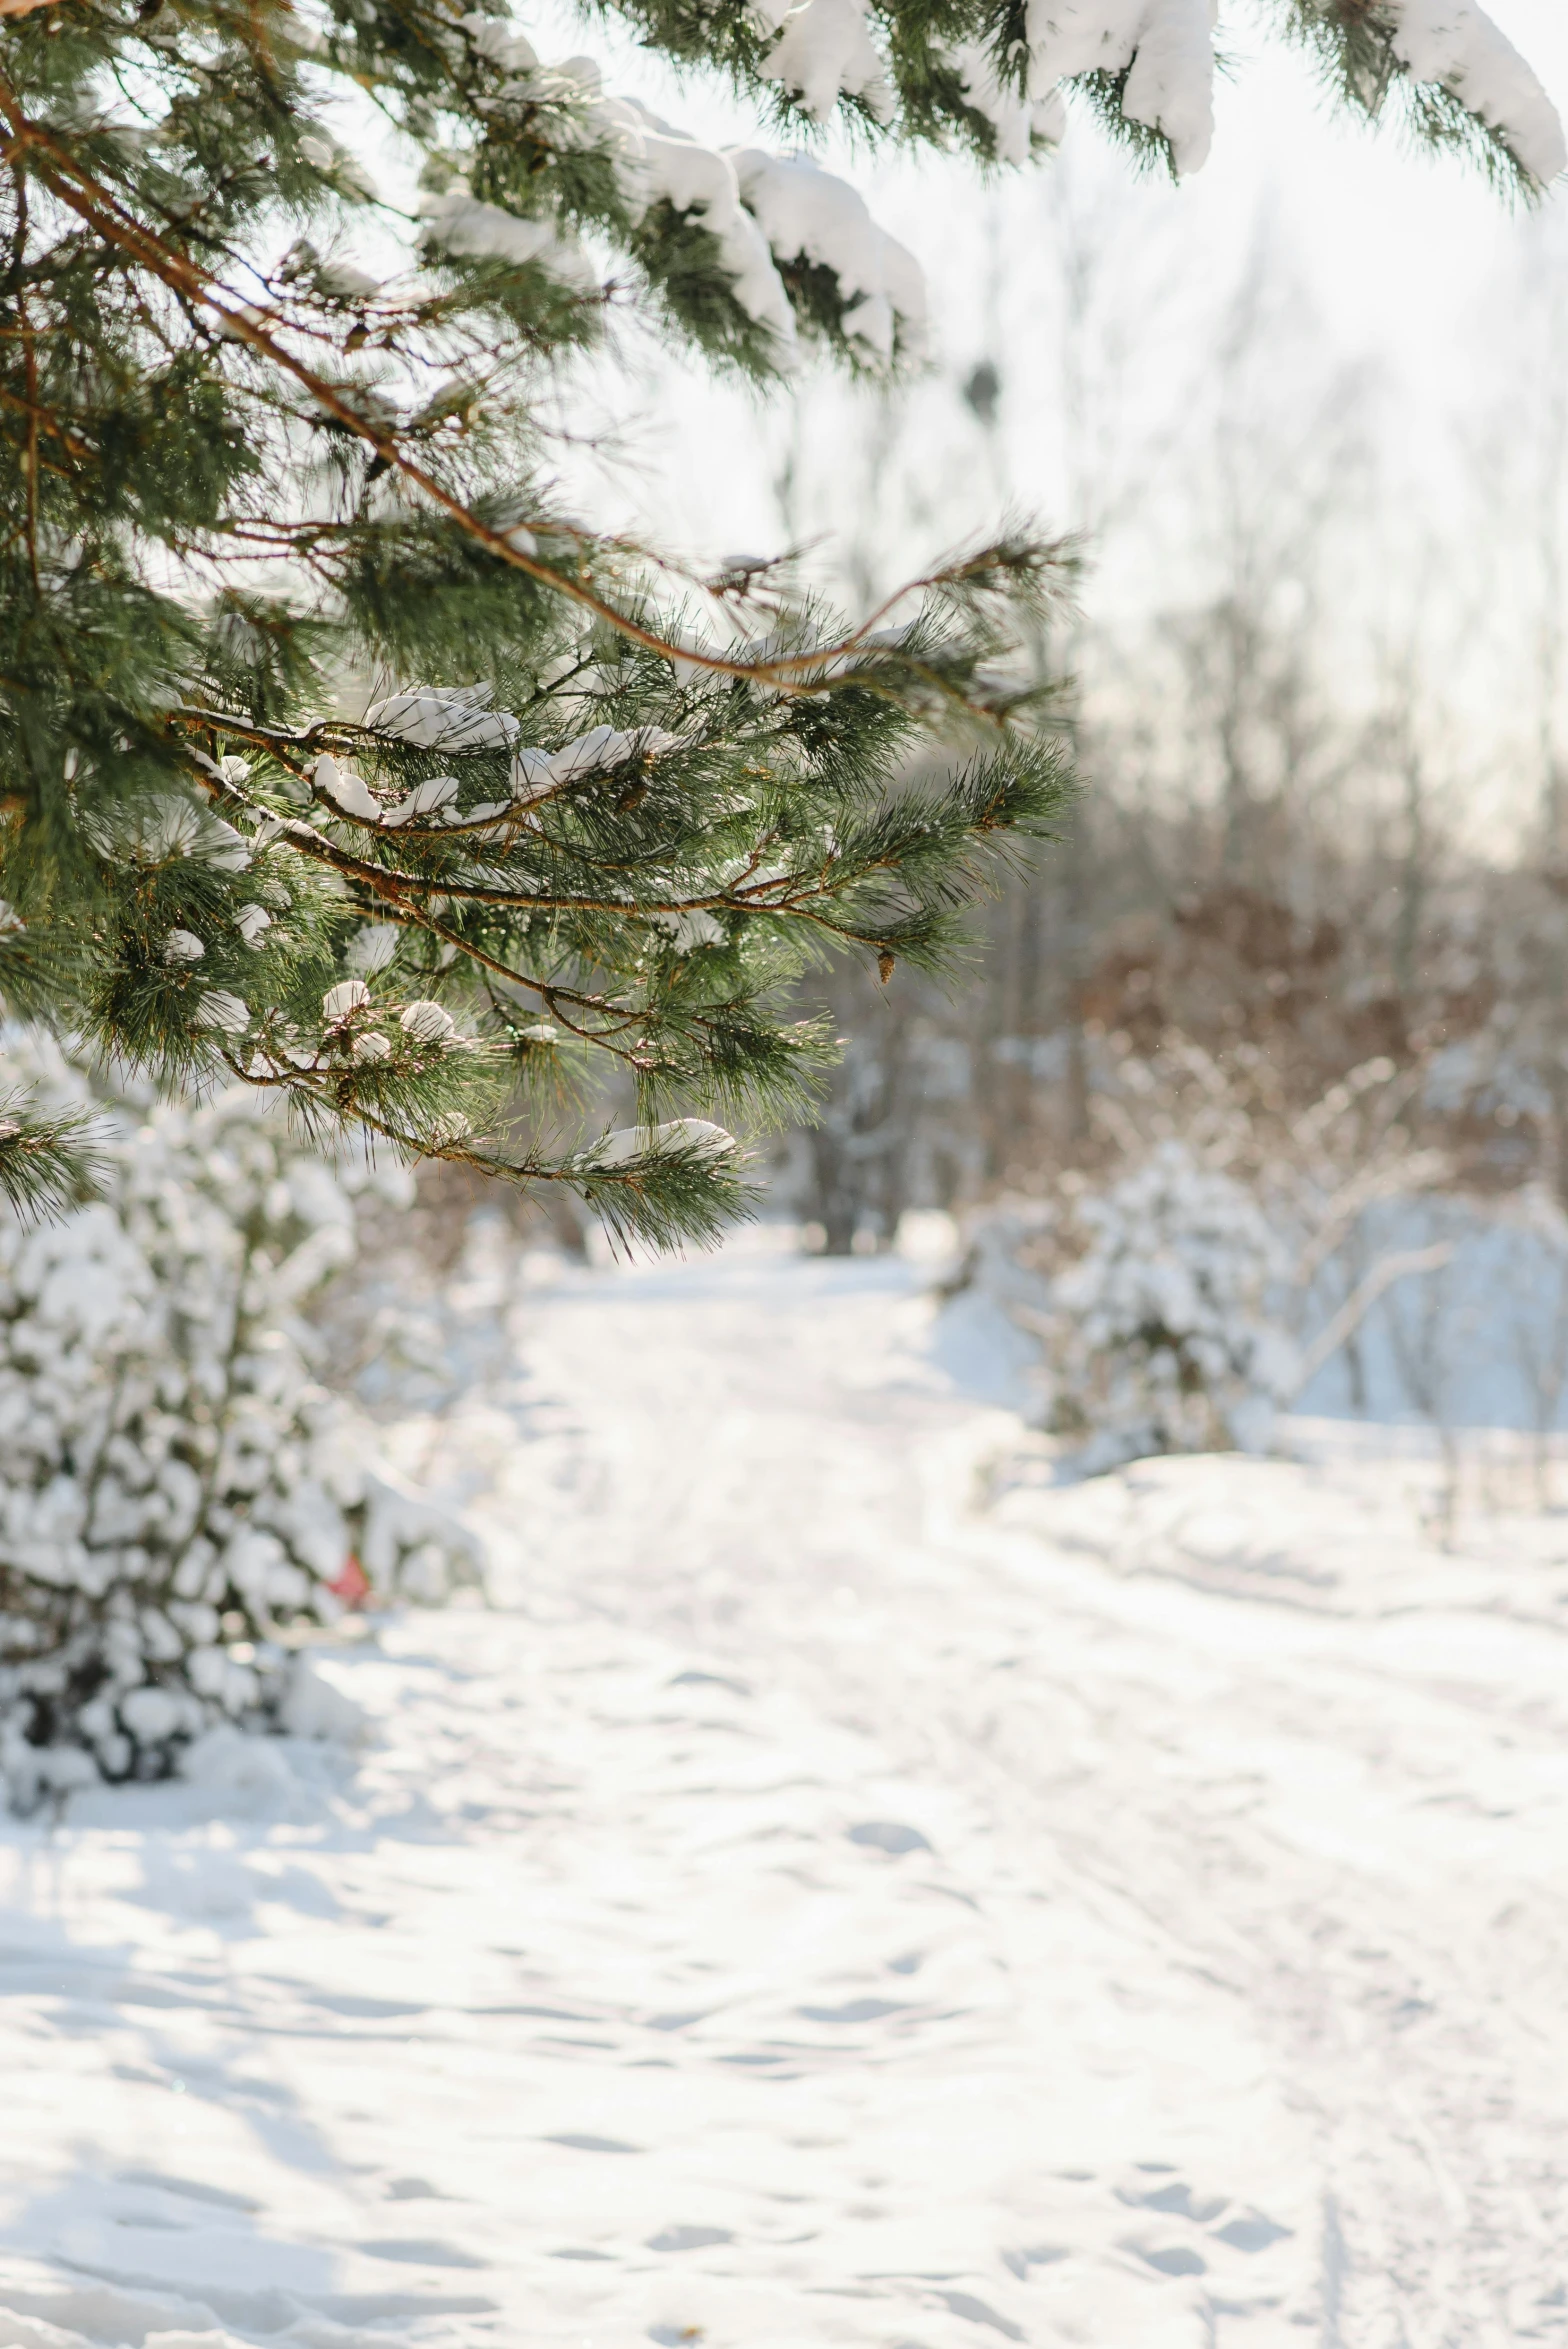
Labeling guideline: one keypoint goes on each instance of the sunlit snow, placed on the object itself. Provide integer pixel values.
(851, 1891)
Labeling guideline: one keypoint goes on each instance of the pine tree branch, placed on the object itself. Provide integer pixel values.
(628, 1195)
(554, 803)
(47, 1163)
(809, 672)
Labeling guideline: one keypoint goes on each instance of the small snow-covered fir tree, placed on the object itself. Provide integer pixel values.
(1223, 1248)
(175, 1491)
(339, 756)
(1167, 1333)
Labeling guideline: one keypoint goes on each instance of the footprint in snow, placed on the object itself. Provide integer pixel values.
(354, 2003)
(1172, 2259)
(689, 2238)
(192, 2189)
(1251, 2232)
(1037, 2255)
(889, 1836)
(709, 1680)
(1177, 2198)
(422, 2254)
(856, 2010)
(965, 2304)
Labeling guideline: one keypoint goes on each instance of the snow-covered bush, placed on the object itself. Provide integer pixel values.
(177, 1496)
(1165, 1333)
(1217, 1250)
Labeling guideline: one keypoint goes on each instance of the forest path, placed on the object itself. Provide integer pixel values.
(810, 1912)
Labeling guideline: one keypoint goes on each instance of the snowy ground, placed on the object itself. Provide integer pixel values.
(818, 1908)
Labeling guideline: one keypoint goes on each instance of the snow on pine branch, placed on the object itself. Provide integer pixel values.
(659, 164)
(825, 51)
(824, 48)
(462, 224)
(1161, 54)
(809, 214)
(1458, 47)
(455, 720)
(1164, 47)
(1017, 121)
(765, 213)
(1165, 50)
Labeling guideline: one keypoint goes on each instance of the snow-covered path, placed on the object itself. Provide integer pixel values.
(813, 1911)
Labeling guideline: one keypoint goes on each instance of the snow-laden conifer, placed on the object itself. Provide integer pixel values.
(1167, 1331)
(177, 1494)
(340, 757)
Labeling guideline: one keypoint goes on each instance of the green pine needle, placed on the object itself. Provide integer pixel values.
(47, 1164)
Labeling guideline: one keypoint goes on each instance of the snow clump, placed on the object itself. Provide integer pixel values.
(658, 163)
(1458, 46)
(178, 1498)
(454, 220)
(444, 717)
(808, 214)
(1166, 50)
(824, 48)
(697, 1134)
(1016, 120)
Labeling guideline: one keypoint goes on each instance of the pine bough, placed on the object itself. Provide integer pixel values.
(338, 758)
